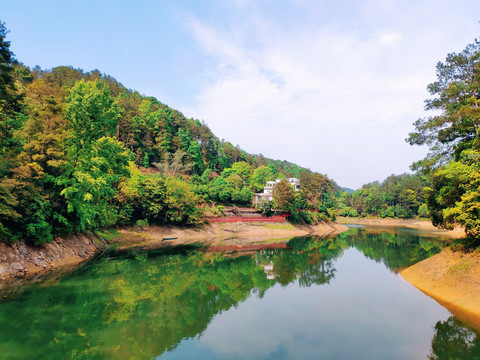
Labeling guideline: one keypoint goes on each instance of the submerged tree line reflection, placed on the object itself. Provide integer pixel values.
(396, 248)
(141, 304)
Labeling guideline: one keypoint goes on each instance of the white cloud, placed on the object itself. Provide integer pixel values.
(302, 89)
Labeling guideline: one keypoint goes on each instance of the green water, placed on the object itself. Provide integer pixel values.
(334, 298)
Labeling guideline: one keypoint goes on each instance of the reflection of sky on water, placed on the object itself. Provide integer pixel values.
(354, 226)
(366, 312)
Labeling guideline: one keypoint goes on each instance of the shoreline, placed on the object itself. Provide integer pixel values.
(20, 261)
(450, 278)
(423, 225)
(219, 234)
(453, 280)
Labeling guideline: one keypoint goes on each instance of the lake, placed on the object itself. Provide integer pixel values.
(334, 298)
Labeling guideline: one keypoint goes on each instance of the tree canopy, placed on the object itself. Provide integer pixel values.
(453, 137)
(455, 97)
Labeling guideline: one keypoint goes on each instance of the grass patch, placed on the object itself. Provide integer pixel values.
(462, 266)
(109, 234)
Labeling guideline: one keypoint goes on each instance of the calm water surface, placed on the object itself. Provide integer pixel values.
(339, 298)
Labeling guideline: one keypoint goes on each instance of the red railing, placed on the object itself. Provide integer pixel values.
(244, 219)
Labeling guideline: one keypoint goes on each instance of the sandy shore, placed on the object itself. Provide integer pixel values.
(452, 279)
(424, 225)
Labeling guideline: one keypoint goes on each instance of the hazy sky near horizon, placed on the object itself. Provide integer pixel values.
(330, 85)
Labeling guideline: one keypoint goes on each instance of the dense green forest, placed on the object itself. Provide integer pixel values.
(398, 196)
(79, 151)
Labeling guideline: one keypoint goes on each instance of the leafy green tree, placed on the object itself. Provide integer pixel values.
(146, 161)
(91, 113)
(454, 140)
(455, 195)
(7, 83)
(240, 168)
(456, 99)
(97, 162)
(195, 152)
(315, 187)
(181, 202)
(283, 196)
(9, 145)
(235, 180)
(261, 175)
(93, 184)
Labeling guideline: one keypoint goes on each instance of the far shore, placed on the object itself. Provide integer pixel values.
(220, 234)
(424, 225)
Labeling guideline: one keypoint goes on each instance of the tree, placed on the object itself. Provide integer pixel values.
(7, 83)
(8, 200)
(10, 122)
(454, 140)
(181, 202)
(456, 97)
(315, 186)
(93, 184)
(283, 196)
(455, 194)
(96, 161)
(260, 176)
(240, 168)
(174, 165)
(195, 152)
(91, 113)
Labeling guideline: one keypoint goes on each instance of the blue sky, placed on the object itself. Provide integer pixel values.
(331, 85)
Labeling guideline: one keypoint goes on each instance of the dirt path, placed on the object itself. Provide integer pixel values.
(453, 279)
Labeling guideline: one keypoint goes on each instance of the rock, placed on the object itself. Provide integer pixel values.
(18, 259)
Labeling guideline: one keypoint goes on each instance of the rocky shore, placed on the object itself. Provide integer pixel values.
(20, 260)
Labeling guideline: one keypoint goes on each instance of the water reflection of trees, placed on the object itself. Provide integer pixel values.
(396, 250)
(452, 340)
(310, 261)
(140, 305)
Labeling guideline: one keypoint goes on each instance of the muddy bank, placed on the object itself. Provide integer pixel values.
(20, 261)
(424, 225)
(452, 279)
(220, 234)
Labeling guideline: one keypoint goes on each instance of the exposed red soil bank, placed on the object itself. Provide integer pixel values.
(453, 279)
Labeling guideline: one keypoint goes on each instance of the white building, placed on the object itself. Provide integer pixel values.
(267, 194)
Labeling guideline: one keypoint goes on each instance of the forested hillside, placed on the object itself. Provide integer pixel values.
(79, 151)
(398, 196)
